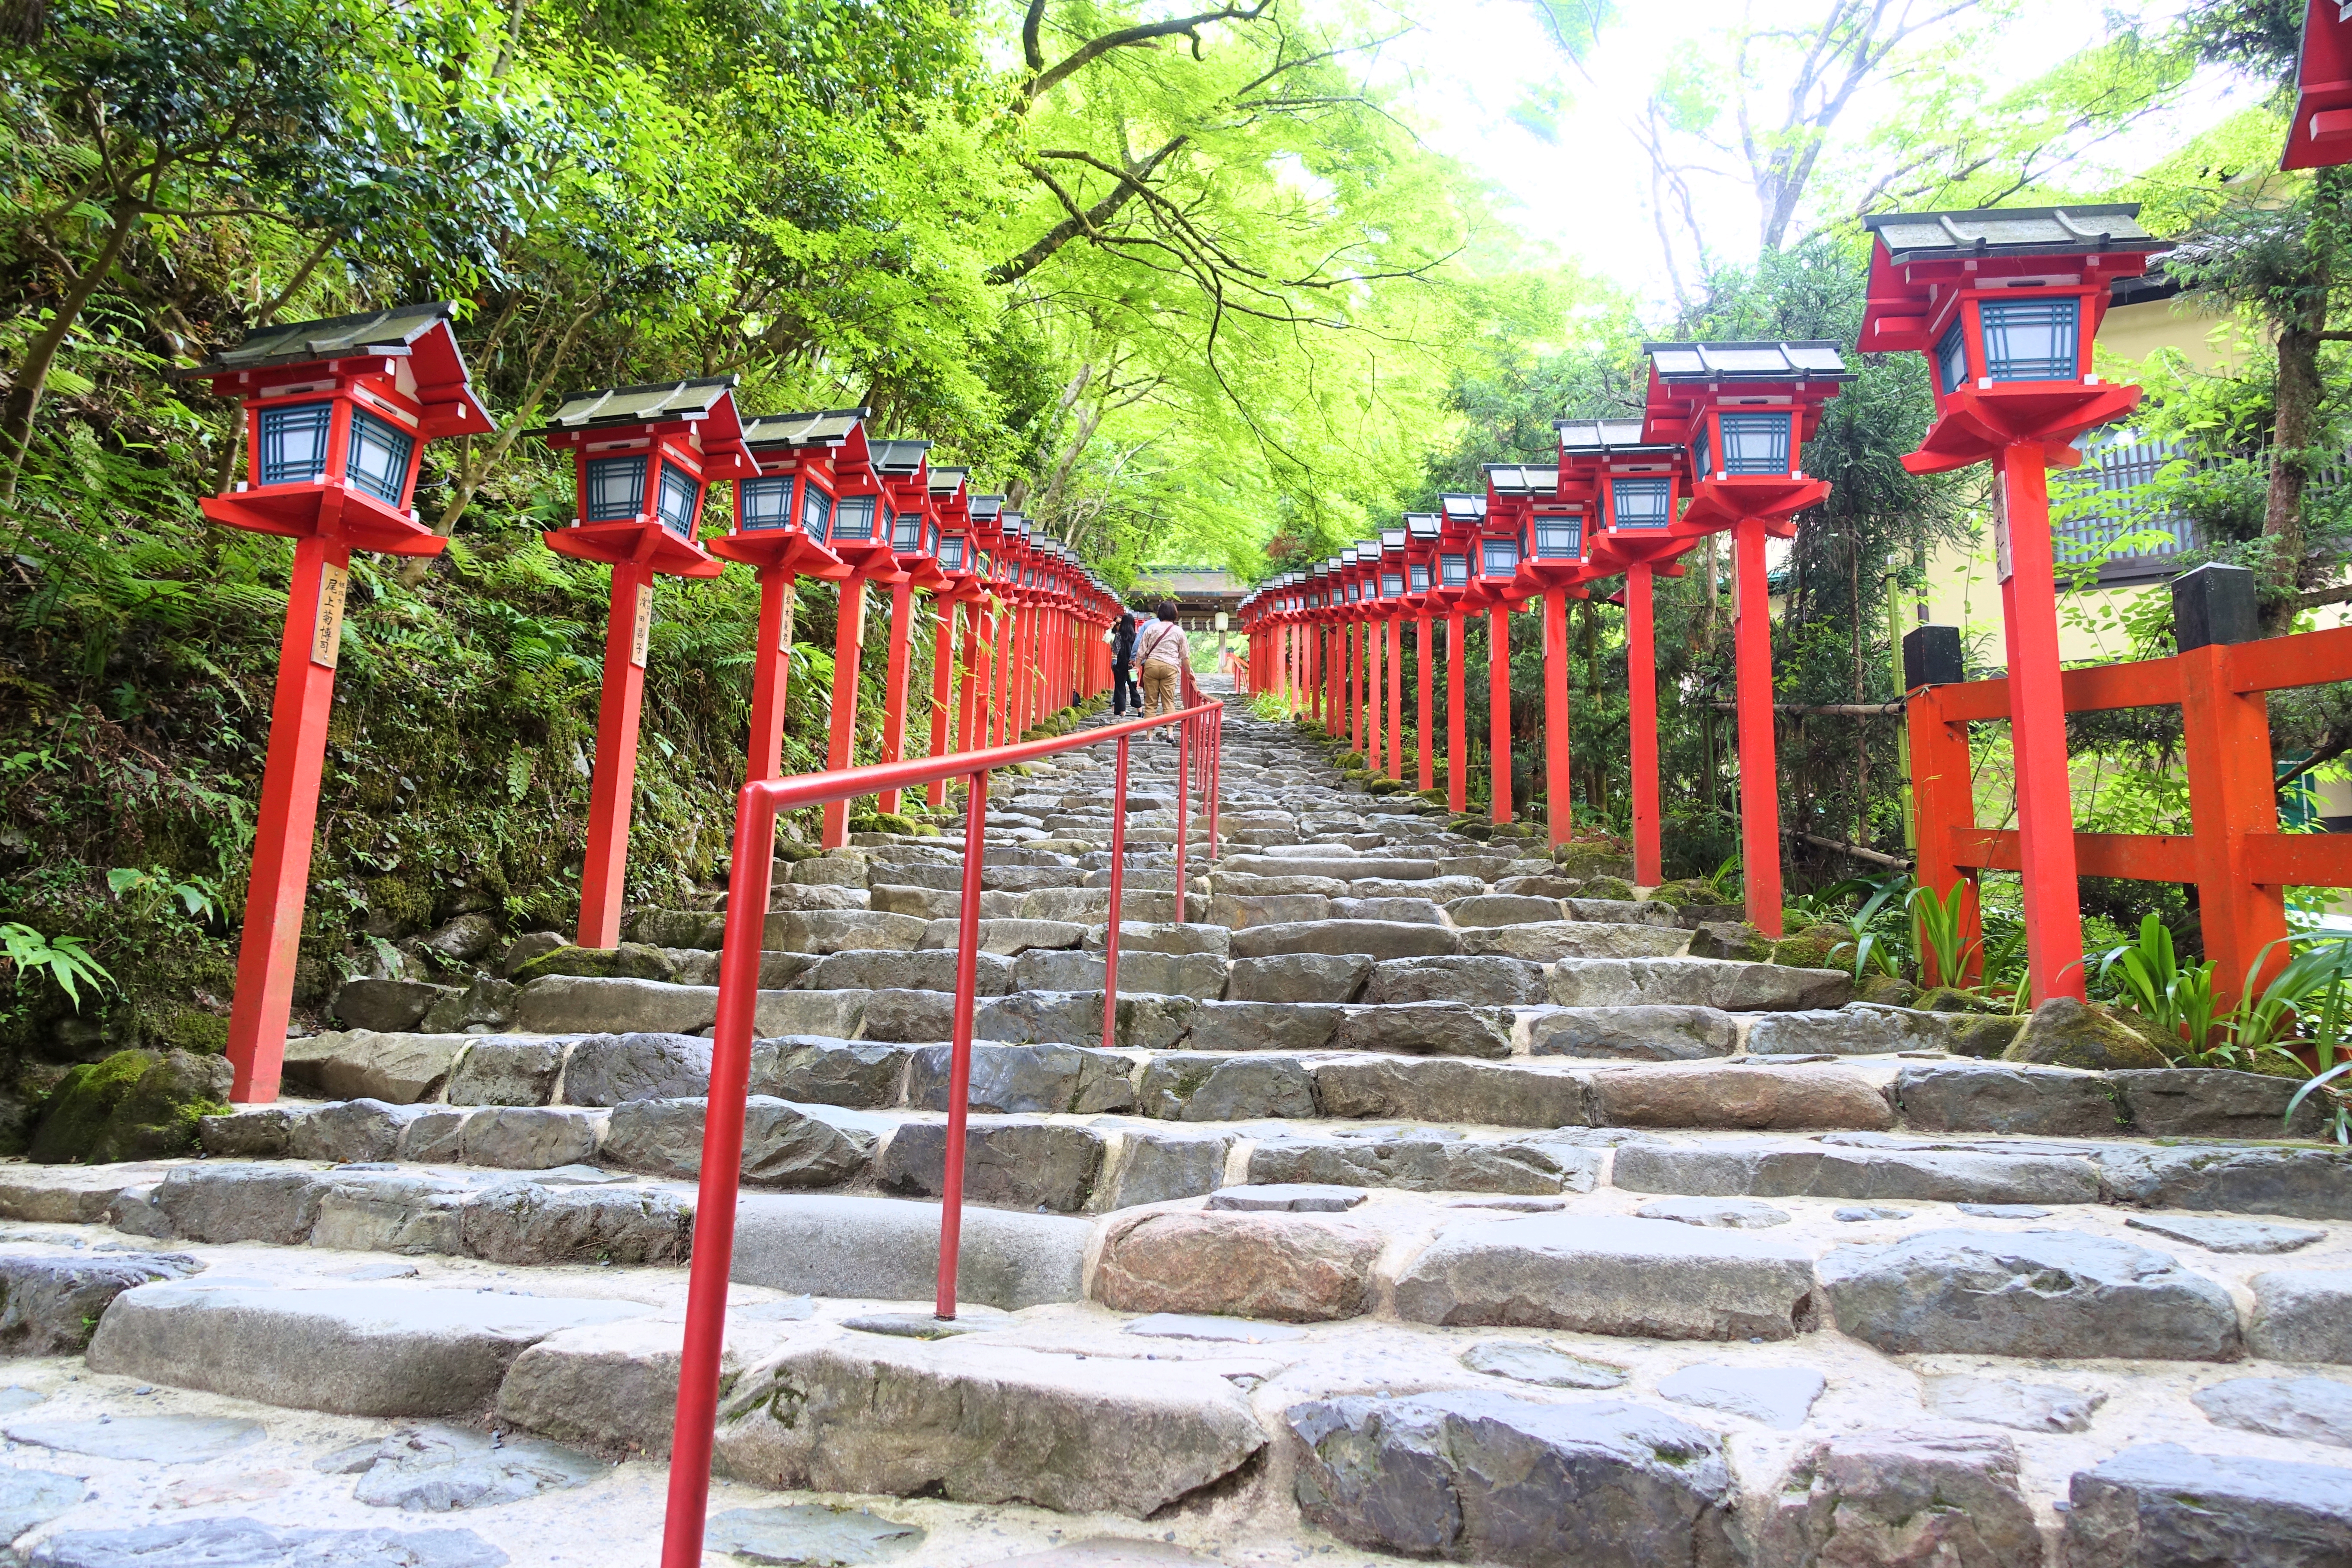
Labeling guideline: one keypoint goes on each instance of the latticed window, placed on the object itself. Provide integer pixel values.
(294, 442)
(681, 498)
(1640, 503)
(1952, 359)
(1391, 585)
(2030, 339)
(906, 531)
(852, 518)
(1501, 556)
(817, 513)
(1453, 571)
(616, 489)
(1560, 538)
(1755, 443)
(766, 503)
(377, 462)
(951, 551)
(1418, 571)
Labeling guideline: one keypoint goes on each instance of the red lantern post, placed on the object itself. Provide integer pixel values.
(951, 504)
(903, 468)
(337, 414)
(1552, 531)
(774, 512)
(2006, 304)
(640, 458)
(1421, 530)
(2321, 133)
(1742, 413)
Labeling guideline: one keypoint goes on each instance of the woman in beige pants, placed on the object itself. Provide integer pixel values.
(1161, 651)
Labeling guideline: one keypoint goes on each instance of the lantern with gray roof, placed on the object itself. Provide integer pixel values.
(337, 414)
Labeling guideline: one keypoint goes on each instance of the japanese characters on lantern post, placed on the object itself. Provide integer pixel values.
(2006, 304)
(642, 457)
(337, 414)
(904, 469)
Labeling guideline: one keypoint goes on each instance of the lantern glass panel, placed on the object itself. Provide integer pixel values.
(1560, 538)
(852, 518)
(1391, 585)
(906, 531)
(1418, 571)
(951, 551)
(294, 442)
(765, 504)
(985, 565)
(1500, 557)
(1755, 443)
(817, 513)
(931, 539)
(681, 497)
(1952, 359)
(378, 460)
(1641, 503)
(1453, 571)
(1702, 452)
(2030, 339)
(616, 490)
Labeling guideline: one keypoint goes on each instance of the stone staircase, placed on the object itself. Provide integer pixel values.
(1432, 1199)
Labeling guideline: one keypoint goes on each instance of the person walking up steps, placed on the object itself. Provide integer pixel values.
(1162, 650)
(1124, 693)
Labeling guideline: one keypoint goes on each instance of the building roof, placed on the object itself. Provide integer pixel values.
(984, 509)
(1461, 508)
(1189, 583)
(944, 481)
(1524, 479)
(301, 342)
(824, 427)
(2012, 231)
(1813, 359)
(901, 457)
(1595, 436)
(649, 405)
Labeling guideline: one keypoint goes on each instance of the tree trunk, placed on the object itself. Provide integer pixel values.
(2296, 419)
(25, 397)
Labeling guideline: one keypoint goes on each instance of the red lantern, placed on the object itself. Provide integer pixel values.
(2006, 305)
(643, 457)
(2321, 133)
(337, 414)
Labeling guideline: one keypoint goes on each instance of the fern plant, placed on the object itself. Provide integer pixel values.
(64, 959)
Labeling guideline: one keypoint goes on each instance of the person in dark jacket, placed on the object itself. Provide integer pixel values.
(1124, 692)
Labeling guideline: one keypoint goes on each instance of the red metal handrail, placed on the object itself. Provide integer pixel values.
(1199, 729)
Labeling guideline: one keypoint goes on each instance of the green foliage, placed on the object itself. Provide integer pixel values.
(64, 959)
(2176, 1000)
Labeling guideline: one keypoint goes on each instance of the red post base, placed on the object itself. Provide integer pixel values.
(1424, 656)
(2045, 811)
(848, 643)
(893, 683)
(1760, 795)
(1498, 711)
(1557, 805)
(609, 794)
(1642, 690)
(1457, 720)
(287, 820)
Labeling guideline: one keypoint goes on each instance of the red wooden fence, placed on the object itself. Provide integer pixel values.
(2234, 855)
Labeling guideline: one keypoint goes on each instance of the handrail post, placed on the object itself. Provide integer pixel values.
(975, 817)
(694, 1432)
(1183, 792)
(1117, 894)
(1216, 733)
(1943, 795)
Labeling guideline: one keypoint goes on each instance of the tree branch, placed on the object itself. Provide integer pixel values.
(1044, 81)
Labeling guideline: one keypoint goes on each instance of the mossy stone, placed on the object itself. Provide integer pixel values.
(1434, 796)
(1949, 999)
(1891, 990)
(1805, 951)
(135, 1105)
(192, 1029)
(1594, 857)
(792, 852)
(1473, 828)
(881, 822)
(631, 961)
(1616, 888)
(2064, 1032)
(1987, 1034)
(1386, 786)
(1689, 891)
(1731, 939)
